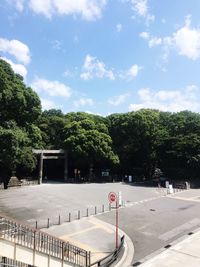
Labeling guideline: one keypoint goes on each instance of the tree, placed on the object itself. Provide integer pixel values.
(17, 102)
(180, 149)
(52, 124)
(20, 108)
(136, 136)
(89, 143)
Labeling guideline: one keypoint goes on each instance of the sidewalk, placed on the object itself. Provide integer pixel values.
(185, 253)
(95, 236)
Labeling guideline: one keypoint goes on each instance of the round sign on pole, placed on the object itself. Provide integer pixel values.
(112, 197)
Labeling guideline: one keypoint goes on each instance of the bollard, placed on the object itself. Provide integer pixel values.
(36, 225)
(102, 208)
(87, 213)
(69, 217)
(48, 223)
(79, 215)
(109, 207)
(59, 220)
(95, 211)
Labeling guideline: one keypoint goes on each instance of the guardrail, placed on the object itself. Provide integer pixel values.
(6, 262)
(108, 260)
(42, 242)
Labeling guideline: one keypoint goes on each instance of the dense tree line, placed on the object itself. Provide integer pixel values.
(133, 143)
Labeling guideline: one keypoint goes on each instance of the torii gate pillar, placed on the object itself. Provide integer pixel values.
(40, 169)
(51, 154)
(66, 167)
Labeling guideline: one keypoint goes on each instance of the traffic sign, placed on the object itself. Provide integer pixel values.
(112, 197)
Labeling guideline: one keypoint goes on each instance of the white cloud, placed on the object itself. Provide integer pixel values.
(142, 9)
(140, 6)
(88, 9)
(71, 73)
(186, 41)
(93, 68)
(47, 104)
(173, 101)
(152, 41)
(131, 73)
(119, 27)
(19, 5)
(18, 68)
(145, 35)
(93, 113)
(84, 102)
(44, 7)
(15, 48)
(51, 88)
(155, 41)
(118, 100)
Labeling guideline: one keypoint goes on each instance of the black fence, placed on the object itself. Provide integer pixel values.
(42, 242)
(6, 262)
(108, 260)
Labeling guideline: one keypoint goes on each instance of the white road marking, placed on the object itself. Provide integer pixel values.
(178, 230)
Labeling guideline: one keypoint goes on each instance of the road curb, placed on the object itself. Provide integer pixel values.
(129, 250)
(158, 252)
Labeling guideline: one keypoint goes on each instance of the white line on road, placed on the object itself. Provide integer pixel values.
(178, 230)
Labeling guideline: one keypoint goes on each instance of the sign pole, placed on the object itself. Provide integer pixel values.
(112, 197)
(116, 223)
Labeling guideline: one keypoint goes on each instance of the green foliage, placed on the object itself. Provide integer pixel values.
(27, 161)
(17, 102)
(145, 139)
(52, 124)
(20, 108)
(89, 141)
(11, 141)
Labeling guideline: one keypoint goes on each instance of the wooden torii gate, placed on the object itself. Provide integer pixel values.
(51, 154)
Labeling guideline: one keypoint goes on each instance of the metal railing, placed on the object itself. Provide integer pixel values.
(6, 262)
(42, 242)
(108, 260)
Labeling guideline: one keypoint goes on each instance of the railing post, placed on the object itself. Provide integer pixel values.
(36, 225)
(63, 253)
(87, 213)
(79, 215)
(59, 220)
(69, 217)
(95, 211)
(48, 223)
(102, 208)
(34, 247)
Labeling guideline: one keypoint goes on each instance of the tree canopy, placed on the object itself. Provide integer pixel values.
(20, 108)
(136, 143)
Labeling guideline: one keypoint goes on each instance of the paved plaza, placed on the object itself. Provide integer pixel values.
(41, 202)
(151, 219)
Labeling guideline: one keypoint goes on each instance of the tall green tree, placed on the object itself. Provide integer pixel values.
(89, 143)
(20, 109)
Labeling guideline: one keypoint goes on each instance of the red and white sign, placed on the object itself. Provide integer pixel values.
(112, 197)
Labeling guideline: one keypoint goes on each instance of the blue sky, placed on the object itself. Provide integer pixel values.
(105, 56)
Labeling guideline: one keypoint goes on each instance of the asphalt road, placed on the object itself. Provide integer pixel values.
(151, 219)
(154, 224)
(51, 200)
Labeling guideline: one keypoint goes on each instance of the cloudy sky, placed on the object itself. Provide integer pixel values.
(105, 56)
